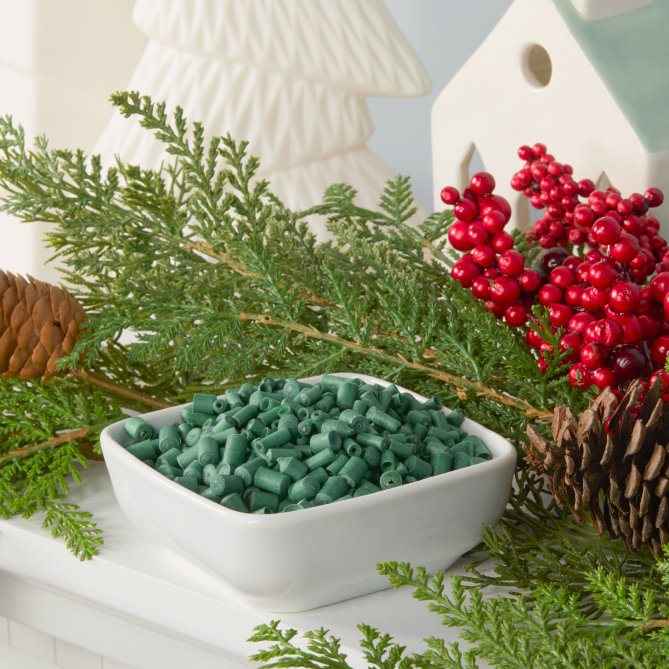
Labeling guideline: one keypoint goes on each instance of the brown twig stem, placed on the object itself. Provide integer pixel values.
(107, 384)
(50, 443)
(458, 382)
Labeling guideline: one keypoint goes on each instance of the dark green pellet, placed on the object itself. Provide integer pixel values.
(184, 412)
(384, 398)
(302, 445)
(207, 451)
(481, 451)
(418, 418)
(276, 439)
(305, 488)
(334, 425)
(291, 404)
(455, 418)
(420, 430)
(223, 485)
(137, 428)
(198, 419)
(207, 493)
(311, 395)
(233, 399)
(352, 447)
(434, 403)
(243, 416)
(359, 407)
(332, 382)
(418, 468)
(401, 469)
(347, 394)
(255, 426)
(293, 387)
(204, 403)
(368, 485)
(325, 440)
(144, 450)
(184, 429)
(272, 481)
(169, 438)
(220, 405)
(247, 471)
(169, 458)
(208, 472)
(187, 482)
(322, 458)
(326, 402)
(259, 499)
(234, 502)
(353, 471)
(169, 472)
(462, 447)
(186, 457)
(224, 468)
(476, 461)
(369, 399)
(438, 420)
(402, 451)
(306, 427)
(409, 479)
(371, 456)
(195, 470)
(320, 475)
(334, 488)
(335, 467)
(460, 461)
(290, 423)
(390, 479)
(387, 461)
(360, 492)
(376, 440)
(267, 403)
(235, 449)
(193, 436)
(273, 455)
(292, 467)
(435, 447)
(268, 417)
(291, 507)
(441, 463)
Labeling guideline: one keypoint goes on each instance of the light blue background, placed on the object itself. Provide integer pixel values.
(444, 34)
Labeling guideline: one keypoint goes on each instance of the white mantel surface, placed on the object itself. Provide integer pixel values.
(140, 604)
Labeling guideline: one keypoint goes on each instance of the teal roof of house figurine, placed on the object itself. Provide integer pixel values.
(630, 51)
(588, 78)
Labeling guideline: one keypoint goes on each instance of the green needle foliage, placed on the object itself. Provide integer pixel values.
(220, 283)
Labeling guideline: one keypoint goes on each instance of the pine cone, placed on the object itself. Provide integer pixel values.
(39, 323)
(606, 451)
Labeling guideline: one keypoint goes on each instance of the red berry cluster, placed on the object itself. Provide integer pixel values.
(615, 330)
(493, 270)
(550, 186)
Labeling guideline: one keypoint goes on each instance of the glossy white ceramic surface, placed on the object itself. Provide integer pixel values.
(305, 559)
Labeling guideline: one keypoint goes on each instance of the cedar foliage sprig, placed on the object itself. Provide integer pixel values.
(222, 283)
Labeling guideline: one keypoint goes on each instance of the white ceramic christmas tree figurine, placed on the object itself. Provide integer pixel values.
(289, 76)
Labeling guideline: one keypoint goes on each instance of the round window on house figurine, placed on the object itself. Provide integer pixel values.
(536, 66)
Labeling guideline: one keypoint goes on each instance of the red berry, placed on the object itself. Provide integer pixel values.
(593, 256)
(515, 315)
(465, 272)
(625, 207)
(490, 273)
(533, 338)
(580, 321)
(639, 261)
(652, 222)
(502, 241)
(583, 272)
(631, 224)
(541, 227)
(556, 228)
(584, 216)
(612, 200)
(482, 183)
(450, 195)
(594, 355)
(480, 287)
(654, 197)
(484, 255)
(511, 263)
(549, 294)
(559, 314)
(572, 296)
(494, 222)
(525, 152)
(504, 291)
(563, 277)
(491, 203)
(497, 310)
(465, 210)
(602, 275)
(542, 365)
(665, 380)
(536, 202)
(659, 349)
(638, 202)
(604, 378)
(649, 326)
(606, 231)
(458, 237)
(625, 297)
(632, 330)
(626, 248)
(529, 281)
(608, 333)
(572, 341)
(585, 187)
(593, 299)
(554, 259)
(628, 363)
(659, 287)
(539, 149)
(596, 196)
(579, 376)
(477, 234)
(591, 332)
(525, 177)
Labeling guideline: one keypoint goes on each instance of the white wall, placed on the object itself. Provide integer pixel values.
(444, 33)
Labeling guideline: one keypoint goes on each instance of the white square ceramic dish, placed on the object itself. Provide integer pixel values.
(305, 559)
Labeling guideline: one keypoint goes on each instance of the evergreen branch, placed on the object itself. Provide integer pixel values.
(128, 393)
(461, 383)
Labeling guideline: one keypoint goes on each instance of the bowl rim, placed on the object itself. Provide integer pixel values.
(280, 521)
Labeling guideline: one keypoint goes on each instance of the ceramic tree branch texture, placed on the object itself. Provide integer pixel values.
(289, 76)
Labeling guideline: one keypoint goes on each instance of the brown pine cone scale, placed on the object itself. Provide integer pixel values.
(609, 467)
(39, 323)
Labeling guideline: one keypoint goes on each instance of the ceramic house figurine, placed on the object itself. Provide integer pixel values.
(588, 78)
(289, 76)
